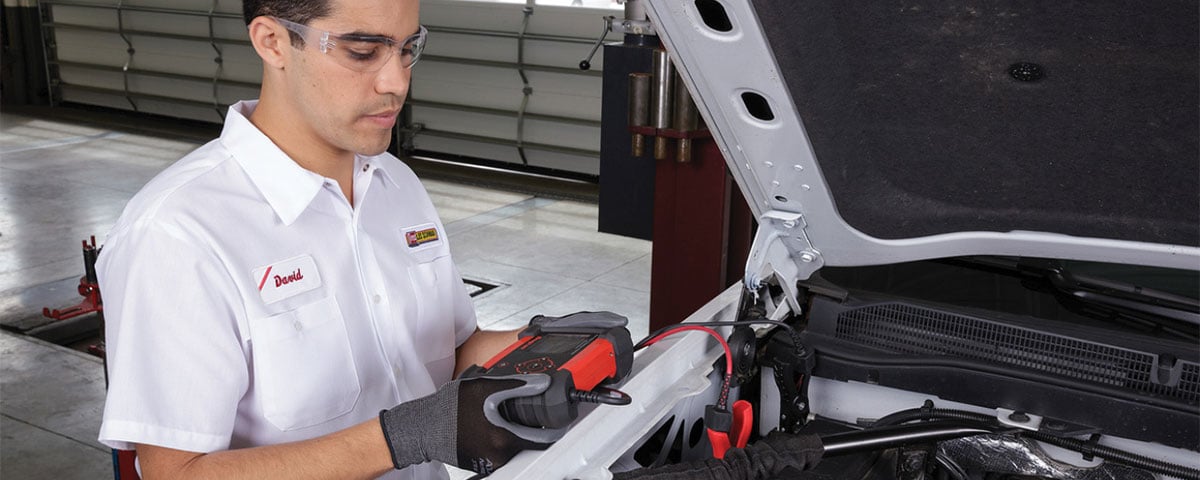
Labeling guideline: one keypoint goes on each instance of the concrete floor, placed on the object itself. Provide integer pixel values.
(61, 182)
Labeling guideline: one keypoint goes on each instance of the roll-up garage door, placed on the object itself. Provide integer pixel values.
(499, 80)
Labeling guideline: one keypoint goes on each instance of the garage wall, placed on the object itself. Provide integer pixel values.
(191, 59)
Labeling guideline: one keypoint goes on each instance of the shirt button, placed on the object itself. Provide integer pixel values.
(377, 298)
(298, 326)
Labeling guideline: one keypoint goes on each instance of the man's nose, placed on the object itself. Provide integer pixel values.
(394, 77)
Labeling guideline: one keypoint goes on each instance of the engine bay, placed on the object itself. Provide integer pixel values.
(898, 387)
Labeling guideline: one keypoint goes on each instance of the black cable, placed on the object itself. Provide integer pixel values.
(1121, 456)
(601, 395)
(749, 310)
(1108, 453)
(923, 414)
(950, 468)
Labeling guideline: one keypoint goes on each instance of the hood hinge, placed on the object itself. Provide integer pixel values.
(782, 250)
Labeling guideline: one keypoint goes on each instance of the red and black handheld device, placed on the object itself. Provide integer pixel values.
(580, 352)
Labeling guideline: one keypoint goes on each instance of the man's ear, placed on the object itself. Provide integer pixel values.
(269, 39)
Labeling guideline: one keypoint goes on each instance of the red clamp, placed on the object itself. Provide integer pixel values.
(729, 430)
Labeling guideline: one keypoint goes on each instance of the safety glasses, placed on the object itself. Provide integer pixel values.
(363, 53)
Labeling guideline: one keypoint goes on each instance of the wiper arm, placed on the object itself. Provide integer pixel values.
(1167, 312)
(1118, 294)
(1097, 290)
(1065, 278)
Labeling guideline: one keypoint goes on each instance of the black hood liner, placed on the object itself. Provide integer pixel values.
(920, 129)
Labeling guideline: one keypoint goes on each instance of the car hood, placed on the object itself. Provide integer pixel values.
(868, 133)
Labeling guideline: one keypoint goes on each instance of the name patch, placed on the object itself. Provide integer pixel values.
(287, 278)
(421, 235)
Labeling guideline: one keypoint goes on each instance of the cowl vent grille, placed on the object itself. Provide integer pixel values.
(915, 330)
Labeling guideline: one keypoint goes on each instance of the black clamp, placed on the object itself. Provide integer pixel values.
(792, 366)
(743, 344)
(927, 409)
(717, 419)
(1088, 448)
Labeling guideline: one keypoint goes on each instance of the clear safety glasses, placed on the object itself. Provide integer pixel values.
(363, 53)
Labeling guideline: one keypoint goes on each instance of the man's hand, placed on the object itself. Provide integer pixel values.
(460, 425)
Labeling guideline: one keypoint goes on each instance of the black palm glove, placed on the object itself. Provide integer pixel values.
(460, 425)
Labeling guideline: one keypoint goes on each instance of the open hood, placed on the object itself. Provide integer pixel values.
(881, 132)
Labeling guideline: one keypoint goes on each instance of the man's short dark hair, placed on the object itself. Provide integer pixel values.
(299, 11)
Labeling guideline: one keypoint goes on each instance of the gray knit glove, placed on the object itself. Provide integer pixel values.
(460, 425)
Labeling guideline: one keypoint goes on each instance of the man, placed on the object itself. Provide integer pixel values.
(276, 289)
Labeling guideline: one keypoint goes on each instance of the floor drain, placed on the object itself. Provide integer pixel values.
(477, 287)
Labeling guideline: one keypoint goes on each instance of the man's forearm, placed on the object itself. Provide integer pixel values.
(481, 347)
(356, 452)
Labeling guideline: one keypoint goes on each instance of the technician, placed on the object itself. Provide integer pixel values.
(281, 302)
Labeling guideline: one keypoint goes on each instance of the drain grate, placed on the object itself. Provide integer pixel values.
(477, 287)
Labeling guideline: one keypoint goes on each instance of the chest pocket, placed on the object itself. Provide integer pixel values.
(437, 288)
(303, 366)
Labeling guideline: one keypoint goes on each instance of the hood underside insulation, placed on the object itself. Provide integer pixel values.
(931, 117)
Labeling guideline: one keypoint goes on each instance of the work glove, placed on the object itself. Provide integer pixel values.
(460, 424)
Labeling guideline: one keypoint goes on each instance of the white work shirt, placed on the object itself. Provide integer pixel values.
(247, 303)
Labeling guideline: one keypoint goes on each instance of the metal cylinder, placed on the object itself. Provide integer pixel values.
(686, 119)
(660, 99)
(635, 10)
(900, 435)
(90, 254)
(639, 109)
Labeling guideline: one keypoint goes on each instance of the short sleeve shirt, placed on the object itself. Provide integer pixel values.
(248, 303)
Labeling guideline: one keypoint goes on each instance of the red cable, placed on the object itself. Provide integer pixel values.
(728, 355)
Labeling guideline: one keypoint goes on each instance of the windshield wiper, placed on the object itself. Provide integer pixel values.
(1104, 292)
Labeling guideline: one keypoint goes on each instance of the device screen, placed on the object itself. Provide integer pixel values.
(560, 343)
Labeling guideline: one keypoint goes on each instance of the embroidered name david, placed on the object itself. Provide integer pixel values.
(287, 278)
(291, 277)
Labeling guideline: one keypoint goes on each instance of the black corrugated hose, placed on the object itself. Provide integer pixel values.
(1105, 452)
(764, 459)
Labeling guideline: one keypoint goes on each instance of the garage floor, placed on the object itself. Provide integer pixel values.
(61, 182)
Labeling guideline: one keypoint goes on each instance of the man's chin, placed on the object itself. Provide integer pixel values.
(374, 148)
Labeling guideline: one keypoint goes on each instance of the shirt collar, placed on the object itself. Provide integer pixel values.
(287, 186)
(375, 165)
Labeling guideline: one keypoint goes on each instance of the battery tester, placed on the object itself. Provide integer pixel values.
(580, 352)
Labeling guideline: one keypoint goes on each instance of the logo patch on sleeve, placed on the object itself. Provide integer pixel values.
(421, 235)
(287, 278)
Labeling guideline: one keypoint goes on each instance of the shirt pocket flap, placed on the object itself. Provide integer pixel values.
(303, 365)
